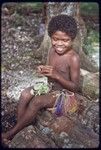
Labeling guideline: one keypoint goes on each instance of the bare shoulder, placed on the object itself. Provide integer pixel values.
(73, 57)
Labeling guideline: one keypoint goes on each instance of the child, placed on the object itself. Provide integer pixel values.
(62, 70)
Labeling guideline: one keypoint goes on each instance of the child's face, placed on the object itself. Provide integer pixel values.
(61, 42)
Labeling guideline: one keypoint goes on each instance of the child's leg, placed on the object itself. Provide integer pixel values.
(24, 100)
(36, 104)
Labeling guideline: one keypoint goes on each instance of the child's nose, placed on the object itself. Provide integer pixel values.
(60, 42)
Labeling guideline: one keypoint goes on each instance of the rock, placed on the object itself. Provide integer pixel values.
(85, 135)
(31, 137)
(5, 11)
(73, 128)
(90, 84)
(62, 124)
(57, 124)
(20, 81)
(70, 131)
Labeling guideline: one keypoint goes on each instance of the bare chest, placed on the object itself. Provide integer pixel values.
(60, 64)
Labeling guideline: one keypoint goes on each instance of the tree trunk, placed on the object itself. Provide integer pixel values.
(72, 9)
(89, 88)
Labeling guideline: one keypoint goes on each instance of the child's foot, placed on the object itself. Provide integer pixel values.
(5, 142)
(6, 139)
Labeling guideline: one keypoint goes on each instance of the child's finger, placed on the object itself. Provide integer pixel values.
(39, 68)
(47, 69)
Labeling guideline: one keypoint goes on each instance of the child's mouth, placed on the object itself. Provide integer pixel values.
(59, 49)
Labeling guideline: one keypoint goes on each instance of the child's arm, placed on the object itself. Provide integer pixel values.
(72, 85)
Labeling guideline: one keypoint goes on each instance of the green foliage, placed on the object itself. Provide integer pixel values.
(41, 88)
(35, 6)
(90, 42)
(90, 8)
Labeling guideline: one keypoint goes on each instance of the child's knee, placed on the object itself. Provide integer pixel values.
(25, 94)
(42, 101)
(37, 103)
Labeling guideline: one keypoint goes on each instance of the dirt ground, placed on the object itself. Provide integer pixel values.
(20, 38)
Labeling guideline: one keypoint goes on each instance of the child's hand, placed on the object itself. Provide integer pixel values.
(48, 71)
(39, 69)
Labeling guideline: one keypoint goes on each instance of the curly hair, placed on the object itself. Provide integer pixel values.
(63, 23)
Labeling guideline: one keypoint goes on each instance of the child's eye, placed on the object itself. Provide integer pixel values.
(66, 40)
(55, 39)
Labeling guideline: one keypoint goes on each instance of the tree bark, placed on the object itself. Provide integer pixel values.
(72, 9)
